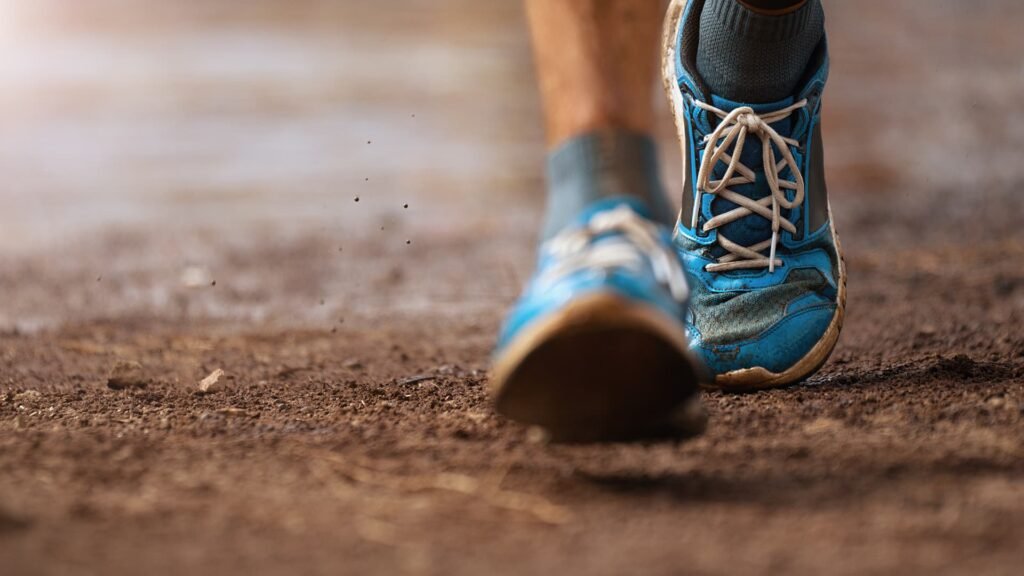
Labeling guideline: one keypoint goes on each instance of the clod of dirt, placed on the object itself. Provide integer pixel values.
(126, 374)
(353, 364)
(27, 395)
(211, 384)
(10, 522)
(962, 366)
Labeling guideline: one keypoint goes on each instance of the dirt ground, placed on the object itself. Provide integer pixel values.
(180, 191)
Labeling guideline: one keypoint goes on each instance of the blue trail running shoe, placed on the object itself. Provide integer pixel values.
(755, 231)
(595, 349)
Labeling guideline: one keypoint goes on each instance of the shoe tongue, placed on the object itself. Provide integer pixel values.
(751, 229)
(729, 105)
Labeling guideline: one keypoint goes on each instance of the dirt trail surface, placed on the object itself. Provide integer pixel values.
(179, 196)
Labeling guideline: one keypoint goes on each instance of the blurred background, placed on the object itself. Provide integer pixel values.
(335, 201)
(149, 149)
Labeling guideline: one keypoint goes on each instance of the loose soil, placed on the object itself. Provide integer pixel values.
(350, 431)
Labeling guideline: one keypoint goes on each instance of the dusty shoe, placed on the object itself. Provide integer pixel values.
(755, 232)
(595, 349)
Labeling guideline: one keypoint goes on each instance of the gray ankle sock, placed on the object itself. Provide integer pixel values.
(754, 58)
(602, 165)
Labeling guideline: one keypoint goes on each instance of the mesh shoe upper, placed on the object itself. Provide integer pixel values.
(754, 231)
(612, 248)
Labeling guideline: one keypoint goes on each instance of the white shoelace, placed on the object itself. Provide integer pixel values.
(732, 133)
(574, 251)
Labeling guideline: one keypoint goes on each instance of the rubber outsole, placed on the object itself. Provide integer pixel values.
(756, 377)
(603, 369)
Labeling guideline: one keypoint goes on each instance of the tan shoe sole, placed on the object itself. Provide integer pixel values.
(602, 369)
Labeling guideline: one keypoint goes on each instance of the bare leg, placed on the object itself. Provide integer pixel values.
(596, 348)
(596, 63)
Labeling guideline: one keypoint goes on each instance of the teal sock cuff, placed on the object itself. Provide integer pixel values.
(601, 165)
(749, 57)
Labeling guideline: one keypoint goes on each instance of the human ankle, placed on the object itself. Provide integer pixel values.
(600, 165)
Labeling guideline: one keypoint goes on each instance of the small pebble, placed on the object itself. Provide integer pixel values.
(211, 383)
(126, 374)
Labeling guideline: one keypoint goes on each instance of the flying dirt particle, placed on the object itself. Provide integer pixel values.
(213, 283)
(369, 142)
(334, 330)
(408, 242)
(366, 179)
(357, 198)
(381, 228)
(98, 278)
(340, 249)
(126, 374)
(353, 364)
(405, 205)
(211, 383)
(413, 115)
(321, 301)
